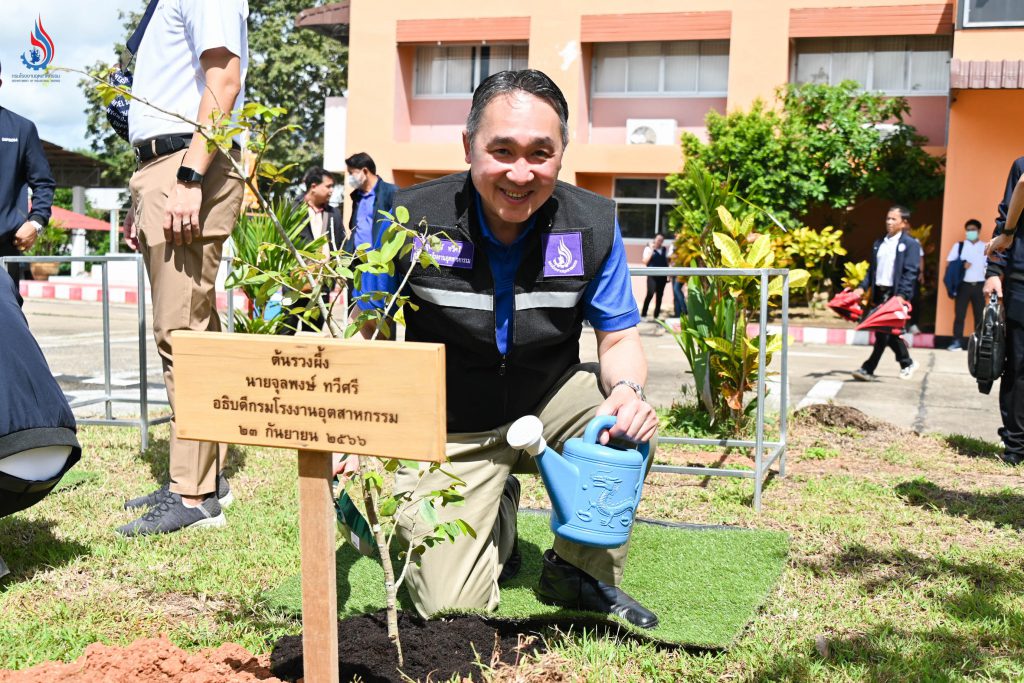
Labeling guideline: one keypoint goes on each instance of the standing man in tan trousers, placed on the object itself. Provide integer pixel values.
(185, 200)
(528, 259)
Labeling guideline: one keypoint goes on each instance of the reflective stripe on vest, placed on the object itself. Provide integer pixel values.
(444, 297)
(548, 300)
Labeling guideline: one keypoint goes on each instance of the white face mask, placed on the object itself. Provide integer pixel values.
(972, 235)
(354, 181)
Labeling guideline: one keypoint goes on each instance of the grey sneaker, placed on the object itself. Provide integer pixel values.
(863, 375)
(170, 514)
(224, 496)
(908, 372)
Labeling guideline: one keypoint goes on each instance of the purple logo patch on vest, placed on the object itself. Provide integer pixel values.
(563, 254)
(451, 253)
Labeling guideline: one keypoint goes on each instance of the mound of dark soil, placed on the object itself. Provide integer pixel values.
(833, 415)
(434, 650)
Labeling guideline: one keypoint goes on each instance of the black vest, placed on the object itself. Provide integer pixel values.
(570, 240)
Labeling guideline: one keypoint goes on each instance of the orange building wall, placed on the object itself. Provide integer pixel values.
(986, 133)
(410, 136)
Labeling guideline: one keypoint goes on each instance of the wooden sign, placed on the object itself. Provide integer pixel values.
(312, 394)
(318, 396)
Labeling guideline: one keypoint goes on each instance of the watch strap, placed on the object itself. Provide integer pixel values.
(632, 385)
(189, 175)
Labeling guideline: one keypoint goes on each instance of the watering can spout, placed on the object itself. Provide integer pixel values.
(560, 476)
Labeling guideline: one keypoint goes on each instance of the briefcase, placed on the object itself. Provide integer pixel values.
(986, 349)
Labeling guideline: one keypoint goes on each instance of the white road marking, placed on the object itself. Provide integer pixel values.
(812, 354)
(98, 339)
(822, 392)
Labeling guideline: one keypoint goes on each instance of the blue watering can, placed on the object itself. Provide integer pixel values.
(594, 489)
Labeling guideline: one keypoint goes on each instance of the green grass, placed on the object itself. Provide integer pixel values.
(704, 584)
(904, 564)
(972, 446)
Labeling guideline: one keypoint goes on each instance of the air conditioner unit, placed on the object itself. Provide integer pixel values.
(651, 132)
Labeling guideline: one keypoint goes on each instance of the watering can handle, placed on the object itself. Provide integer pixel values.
(602, 422)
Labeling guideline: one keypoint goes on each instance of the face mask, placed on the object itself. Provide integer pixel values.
(354, 181)
(972, 235)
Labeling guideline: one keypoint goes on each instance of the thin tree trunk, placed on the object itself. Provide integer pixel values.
(370, 502)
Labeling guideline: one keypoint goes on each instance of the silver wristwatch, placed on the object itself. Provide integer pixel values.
(632, 385)
(38, 226)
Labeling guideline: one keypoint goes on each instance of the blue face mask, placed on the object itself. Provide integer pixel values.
(972, 235)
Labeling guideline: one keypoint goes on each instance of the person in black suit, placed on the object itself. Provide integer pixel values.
(895, 263)
(323, 219)
(22, 164)
(1005, 275)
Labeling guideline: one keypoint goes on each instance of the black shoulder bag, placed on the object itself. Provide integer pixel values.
(986, 350)
(117, 110)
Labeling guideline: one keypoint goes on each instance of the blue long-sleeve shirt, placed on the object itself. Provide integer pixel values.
(22, 163)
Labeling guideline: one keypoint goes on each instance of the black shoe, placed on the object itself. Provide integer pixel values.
(563, 584)
(171, 514)
(1012, 458)
(224, 495)
(515, 561)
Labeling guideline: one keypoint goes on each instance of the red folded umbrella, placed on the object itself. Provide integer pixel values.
(889, 316)
(847, 305)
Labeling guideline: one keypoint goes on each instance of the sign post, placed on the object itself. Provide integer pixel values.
(317, 396)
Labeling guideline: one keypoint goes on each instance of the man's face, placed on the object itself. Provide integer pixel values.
(894, 222)
(320, 193)
(515, 157)
(658, 241)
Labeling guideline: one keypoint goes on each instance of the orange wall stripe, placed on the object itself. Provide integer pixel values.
(894, 20)
(462, 30)
(612, 28)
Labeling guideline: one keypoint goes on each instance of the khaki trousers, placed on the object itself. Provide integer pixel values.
(181, 282)
(465, 574)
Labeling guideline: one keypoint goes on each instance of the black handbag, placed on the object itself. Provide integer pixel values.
(986, 350)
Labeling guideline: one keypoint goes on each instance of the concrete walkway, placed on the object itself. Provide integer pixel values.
(942, 396)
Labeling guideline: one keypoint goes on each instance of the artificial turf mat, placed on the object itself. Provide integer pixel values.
(75, 478)
(705, 584)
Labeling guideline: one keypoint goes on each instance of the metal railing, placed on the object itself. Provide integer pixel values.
(766, 452)
(143, 421)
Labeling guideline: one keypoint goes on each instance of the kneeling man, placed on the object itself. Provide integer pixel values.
(528, 259)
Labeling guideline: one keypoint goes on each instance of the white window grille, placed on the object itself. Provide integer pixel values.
(894, 65)
(458, 69)
(675, 68)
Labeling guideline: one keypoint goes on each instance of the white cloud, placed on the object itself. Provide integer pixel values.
(82, 33)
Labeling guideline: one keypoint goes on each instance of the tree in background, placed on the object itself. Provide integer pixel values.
(822, 147)
(289, 67)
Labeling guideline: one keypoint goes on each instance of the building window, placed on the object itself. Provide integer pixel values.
(982, 13)
(894, 65)
(457, 70)
(642, 206)
(678, 68)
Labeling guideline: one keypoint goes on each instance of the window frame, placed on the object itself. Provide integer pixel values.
(659, 199)
(661, 92)
(965, 19)
(907, 53)
(477, 64)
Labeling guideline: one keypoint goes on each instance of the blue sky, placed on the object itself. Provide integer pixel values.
(82, 33)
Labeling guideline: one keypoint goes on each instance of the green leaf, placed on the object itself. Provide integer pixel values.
(729, 249)
(428, 512)
(760, 254)
(402, 214)
(374, 479)
(388, 507)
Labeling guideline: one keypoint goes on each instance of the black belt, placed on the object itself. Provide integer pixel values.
(165, 144)
(160, 146)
